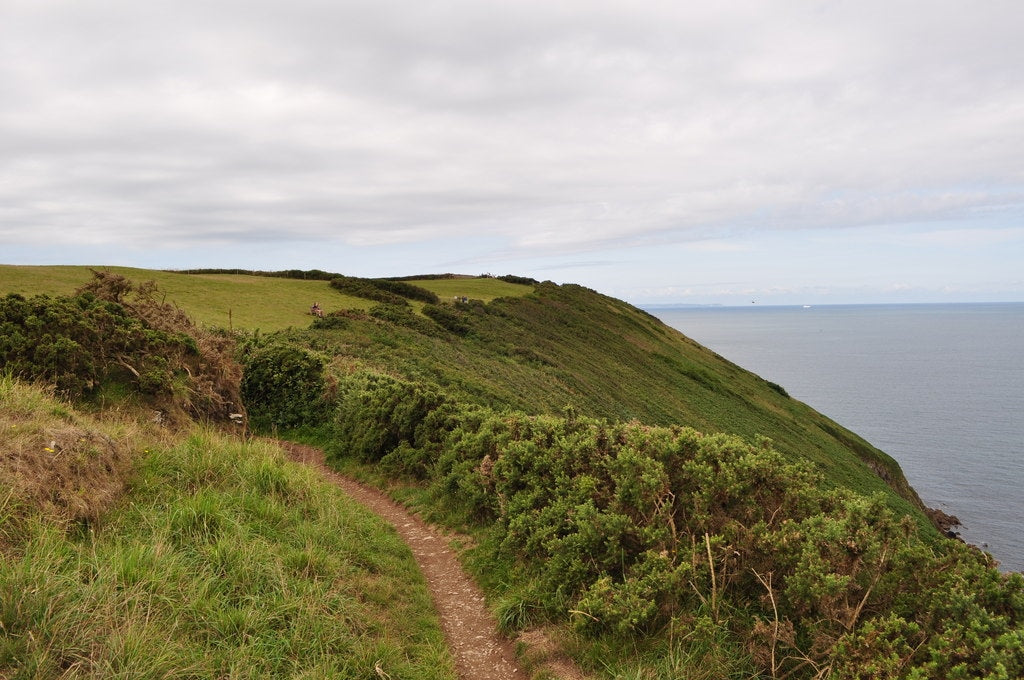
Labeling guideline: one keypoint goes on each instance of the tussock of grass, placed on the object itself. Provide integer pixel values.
(53, 461)
(221, 559)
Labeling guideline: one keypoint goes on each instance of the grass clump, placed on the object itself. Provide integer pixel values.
(55, 462)
(220, 559)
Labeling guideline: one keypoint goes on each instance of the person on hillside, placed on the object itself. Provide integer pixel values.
(316, 311)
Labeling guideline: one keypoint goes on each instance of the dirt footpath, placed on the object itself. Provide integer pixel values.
(479, 652)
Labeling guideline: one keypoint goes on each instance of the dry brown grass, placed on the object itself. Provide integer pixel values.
(213, 374)
(65, 466)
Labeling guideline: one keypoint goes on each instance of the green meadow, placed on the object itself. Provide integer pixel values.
(222, 300)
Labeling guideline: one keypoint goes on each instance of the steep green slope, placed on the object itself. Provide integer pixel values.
(535, 349)
(570, 346)
(574, 436)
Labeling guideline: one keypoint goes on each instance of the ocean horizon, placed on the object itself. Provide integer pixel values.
(938, 386)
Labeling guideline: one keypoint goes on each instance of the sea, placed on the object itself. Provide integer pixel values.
(939, 387)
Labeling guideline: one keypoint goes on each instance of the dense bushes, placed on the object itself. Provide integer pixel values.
(115, 332)
(378, 414)
(406, 290)
(626, 529)
(448, 318)
(283, 386)
(304, 274)
(382, 290)
(76, 342)
(208, 373)
(404, 317)
(523, 280)
(661, 535)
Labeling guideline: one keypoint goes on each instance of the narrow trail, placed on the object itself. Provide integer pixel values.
(479, 652)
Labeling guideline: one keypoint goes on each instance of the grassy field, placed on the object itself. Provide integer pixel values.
(220, 559)
(485, 289)
(240, 301)
(222, 300)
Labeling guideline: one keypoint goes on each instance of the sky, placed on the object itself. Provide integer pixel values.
(660, 152)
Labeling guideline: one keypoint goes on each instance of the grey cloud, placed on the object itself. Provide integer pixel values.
(567, 127)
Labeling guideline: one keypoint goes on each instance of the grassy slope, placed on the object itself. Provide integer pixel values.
(534, 351)
(476, 288)
(220, 560)
(566, 345)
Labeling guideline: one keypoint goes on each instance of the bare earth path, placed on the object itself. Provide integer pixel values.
(479, 652)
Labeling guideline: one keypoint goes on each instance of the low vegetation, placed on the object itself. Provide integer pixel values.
(664, 512)
(114, 332)
(200, 558)
(629, 532)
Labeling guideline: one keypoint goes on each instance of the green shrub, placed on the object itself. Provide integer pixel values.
(364, 288)
(448, 318)
(77, 342)
(284, 386)
(404, 317)
(377, 413)
(624, 529)
(405, 290)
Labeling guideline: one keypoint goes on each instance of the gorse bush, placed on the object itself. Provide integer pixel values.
(376, 414)
(383, 290)
(77, 342)
(283, 386)
(403, 317)
(406, 290)
(627, 529)
(114, 331)
(208, 374)
(448, 318)
(364, 288)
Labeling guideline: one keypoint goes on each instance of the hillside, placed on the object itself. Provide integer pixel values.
(569, 346)
(656, 506)
(533, 349)
(537, 349)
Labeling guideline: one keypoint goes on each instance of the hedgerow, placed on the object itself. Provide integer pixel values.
(383, 290)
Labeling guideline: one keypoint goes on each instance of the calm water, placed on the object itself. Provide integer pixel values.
(939, 387)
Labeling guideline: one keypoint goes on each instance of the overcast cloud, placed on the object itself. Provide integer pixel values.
(657, 151)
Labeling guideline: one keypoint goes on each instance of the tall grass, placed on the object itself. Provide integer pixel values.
(222, 559)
